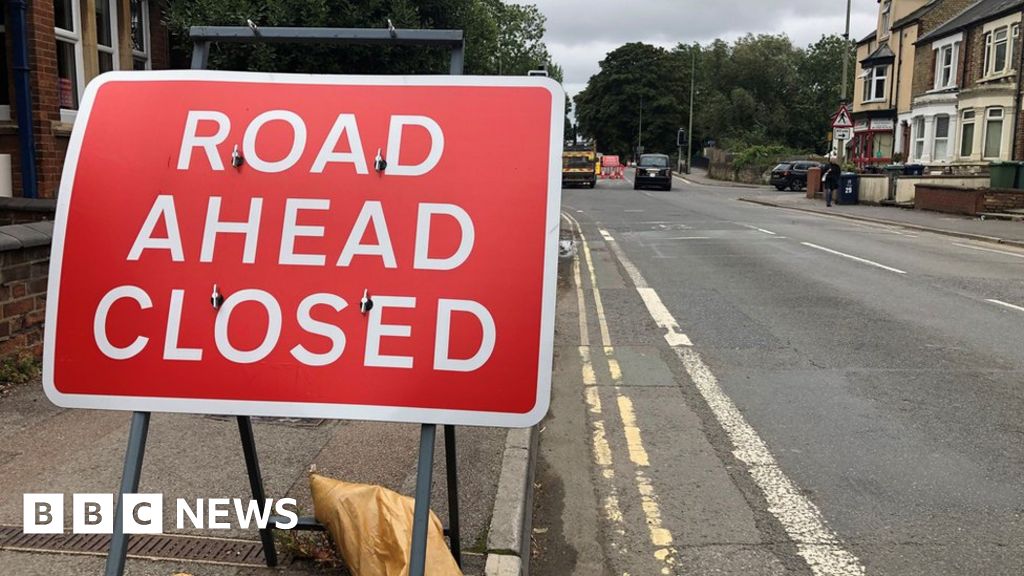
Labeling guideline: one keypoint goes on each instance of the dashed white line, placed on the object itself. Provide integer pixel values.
(1007, 305)
(819, 546)
(979, 248)
(854, 258)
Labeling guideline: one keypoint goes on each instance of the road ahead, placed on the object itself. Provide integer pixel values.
(747, 390)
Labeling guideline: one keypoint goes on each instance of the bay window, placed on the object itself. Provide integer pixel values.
(993, 133)
(967, 134)
(918, 137)
(940, 142)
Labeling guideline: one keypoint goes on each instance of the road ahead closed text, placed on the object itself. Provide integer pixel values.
(346, 248)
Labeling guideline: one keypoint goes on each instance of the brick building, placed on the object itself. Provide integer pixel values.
(977, 56)
(67, 43)
(886, 65)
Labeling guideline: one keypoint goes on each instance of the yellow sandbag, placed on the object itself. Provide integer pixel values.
(372, 528)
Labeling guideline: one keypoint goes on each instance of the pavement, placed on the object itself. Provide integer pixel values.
(989, 230)
(741, 389)
(52, 450)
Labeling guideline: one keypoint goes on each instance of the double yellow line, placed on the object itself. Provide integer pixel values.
(660, 537)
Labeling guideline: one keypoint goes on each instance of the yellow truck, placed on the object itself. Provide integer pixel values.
(578, 165)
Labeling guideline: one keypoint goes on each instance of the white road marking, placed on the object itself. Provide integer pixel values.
(1007, 305)
(635, 211)
(762, 230)
(854, 258)
(1003, 252)
(819, 546)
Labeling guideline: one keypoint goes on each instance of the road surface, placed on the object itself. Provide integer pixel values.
(747, 390)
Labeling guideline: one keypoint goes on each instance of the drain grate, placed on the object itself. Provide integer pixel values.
(146, 546)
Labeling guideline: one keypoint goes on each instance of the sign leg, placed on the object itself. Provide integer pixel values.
(451, 467)
(129, 485)
(424, 471)
(252, 465)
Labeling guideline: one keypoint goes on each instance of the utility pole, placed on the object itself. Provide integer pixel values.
(693, 85)
(846, 73)
(640, 131)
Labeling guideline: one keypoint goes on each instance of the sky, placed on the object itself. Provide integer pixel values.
(581, 32)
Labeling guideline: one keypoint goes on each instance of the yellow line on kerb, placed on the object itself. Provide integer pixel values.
(660, 536)
(599, 439)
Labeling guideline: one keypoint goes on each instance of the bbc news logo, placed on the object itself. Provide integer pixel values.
(144, 513)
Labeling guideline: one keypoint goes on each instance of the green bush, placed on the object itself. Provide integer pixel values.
(19, 369)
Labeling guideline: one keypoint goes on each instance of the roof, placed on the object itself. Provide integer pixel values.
(981, 11)
(915, 15)
(882, 54)
(869, 38)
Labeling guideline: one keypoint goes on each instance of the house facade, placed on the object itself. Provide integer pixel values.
(885, 73)
(967, 87)
(65, 44)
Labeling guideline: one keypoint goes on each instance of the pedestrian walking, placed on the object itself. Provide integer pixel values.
(831, 179)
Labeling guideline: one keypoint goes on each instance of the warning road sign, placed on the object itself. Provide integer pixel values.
(842, 118)
(308, 246)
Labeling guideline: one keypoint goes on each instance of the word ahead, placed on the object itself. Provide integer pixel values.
(375, 248)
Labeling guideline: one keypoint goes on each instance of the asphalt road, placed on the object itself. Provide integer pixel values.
(759, 391)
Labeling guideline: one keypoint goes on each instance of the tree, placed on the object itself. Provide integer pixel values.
(498, 35)
(635, 79)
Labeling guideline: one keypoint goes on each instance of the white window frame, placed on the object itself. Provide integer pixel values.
(941, 67)
(1010, 31)
(115, 56)
(990, 116)
(965, 121)
(73, 37)
(146, 41)
(937, 140)
(5, 109)
(918, 133)
(871, 83)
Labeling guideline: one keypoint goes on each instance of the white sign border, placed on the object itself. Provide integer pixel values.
(300, 409)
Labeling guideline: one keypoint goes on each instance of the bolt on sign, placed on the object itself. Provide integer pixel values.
(309, 246)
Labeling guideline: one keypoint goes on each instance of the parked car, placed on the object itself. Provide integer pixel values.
(792, 174)
(653, 170)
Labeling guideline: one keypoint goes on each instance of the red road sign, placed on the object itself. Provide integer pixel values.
(265, 186)
(842, 118)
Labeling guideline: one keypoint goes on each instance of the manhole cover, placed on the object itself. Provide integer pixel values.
(144, 546)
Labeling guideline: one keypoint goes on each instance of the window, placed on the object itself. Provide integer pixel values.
(140, 34)
(918, 137)
(67, 28)
(945, 66)
(940, 142)
(5, 87)
(874, 83)
(106, 35)
(999, 49)
(993, 132)
(886, 17)
(967, 134)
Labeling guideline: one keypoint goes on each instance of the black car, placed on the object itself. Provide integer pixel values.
(792, 174)
(653, 170)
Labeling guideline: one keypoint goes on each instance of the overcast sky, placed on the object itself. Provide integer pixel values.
(581, 32)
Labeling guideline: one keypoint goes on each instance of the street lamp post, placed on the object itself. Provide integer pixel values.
(640, 132)
(693, 84)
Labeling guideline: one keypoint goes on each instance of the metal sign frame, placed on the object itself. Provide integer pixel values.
(203, 37)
